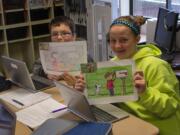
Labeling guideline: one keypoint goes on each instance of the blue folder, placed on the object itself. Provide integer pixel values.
(90, 128)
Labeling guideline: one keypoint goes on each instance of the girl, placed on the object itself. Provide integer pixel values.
(156, 83)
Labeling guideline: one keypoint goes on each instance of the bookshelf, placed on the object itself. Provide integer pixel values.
(23, 25)
(76, 10)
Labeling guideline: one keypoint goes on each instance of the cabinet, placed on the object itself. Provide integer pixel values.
(24, 25)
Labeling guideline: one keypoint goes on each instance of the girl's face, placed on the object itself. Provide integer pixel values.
(123, 41)
(61, 33)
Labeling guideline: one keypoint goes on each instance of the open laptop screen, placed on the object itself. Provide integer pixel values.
(17, 72)
(76, 102)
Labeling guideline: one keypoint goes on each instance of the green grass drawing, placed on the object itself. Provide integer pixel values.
(97, 77)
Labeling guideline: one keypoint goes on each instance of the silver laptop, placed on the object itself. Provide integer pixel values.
(78, 104)
(18, 73)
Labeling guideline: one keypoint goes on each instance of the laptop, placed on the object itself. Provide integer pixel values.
(18, 73)
(78, 104)
(7, 120)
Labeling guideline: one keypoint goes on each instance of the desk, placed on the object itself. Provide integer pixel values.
(128, 126)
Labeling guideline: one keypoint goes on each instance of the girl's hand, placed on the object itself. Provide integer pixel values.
(80, 83)
(139, 82)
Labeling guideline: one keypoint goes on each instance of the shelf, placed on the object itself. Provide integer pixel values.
(14, 10)
(17, 33)
(16, 25)
(1, 36)
(41, 36)
(22, 51)
(40, 29)
(2, 43)
(46, 38)
(18, 40)
(23, 24)
(40, 14)
(37, 4)
(12, 5)
(39, 7)
(80, 24)
(59, 4)
(41, 22)
(15, 17)
(81, 31)
(2, 50)
(58, 11)
(1, 23)
(0, 8)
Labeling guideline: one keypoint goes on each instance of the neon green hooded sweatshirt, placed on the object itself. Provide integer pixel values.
(160, 103)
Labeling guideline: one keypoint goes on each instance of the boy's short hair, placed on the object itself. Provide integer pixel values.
(63, 20)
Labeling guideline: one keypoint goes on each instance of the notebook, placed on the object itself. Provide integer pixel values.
(7, 120)
(78, 104)
(18, 73)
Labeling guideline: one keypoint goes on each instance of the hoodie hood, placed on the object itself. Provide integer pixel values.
(147, 50)
(144, 51)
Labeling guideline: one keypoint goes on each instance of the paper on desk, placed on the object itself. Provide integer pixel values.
(25, 97)
(35, 115)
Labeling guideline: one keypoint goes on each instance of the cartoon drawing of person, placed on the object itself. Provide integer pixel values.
(110, 77)
(55, 61)
(97, 89)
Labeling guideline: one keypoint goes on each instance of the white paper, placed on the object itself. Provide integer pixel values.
(23, 96)
(35, 115)
(60, 57)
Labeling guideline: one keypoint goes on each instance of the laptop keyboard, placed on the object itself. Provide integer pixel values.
(39, 85)
(103, 116)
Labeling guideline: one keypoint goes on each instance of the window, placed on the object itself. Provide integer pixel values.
(149, 8)
(175, 5)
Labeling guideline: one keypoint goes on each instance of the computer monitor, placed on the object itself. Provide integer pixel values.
(165, 33)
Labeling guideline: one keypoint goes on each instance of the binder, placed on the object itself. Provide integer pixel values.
(7, 120)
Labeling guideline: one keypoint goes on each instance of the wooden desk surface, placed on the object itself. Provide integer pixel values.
(128, 126)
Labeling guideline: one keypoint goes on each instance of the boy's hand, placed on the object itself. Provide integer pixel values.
(54, 77)
(69, 79)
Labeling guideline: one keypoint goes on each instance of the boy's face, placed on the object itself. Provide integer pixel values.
(61, 33)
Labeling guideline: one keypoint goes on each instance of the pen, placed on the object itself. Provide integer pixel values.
(57, 110)
(15, 101)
